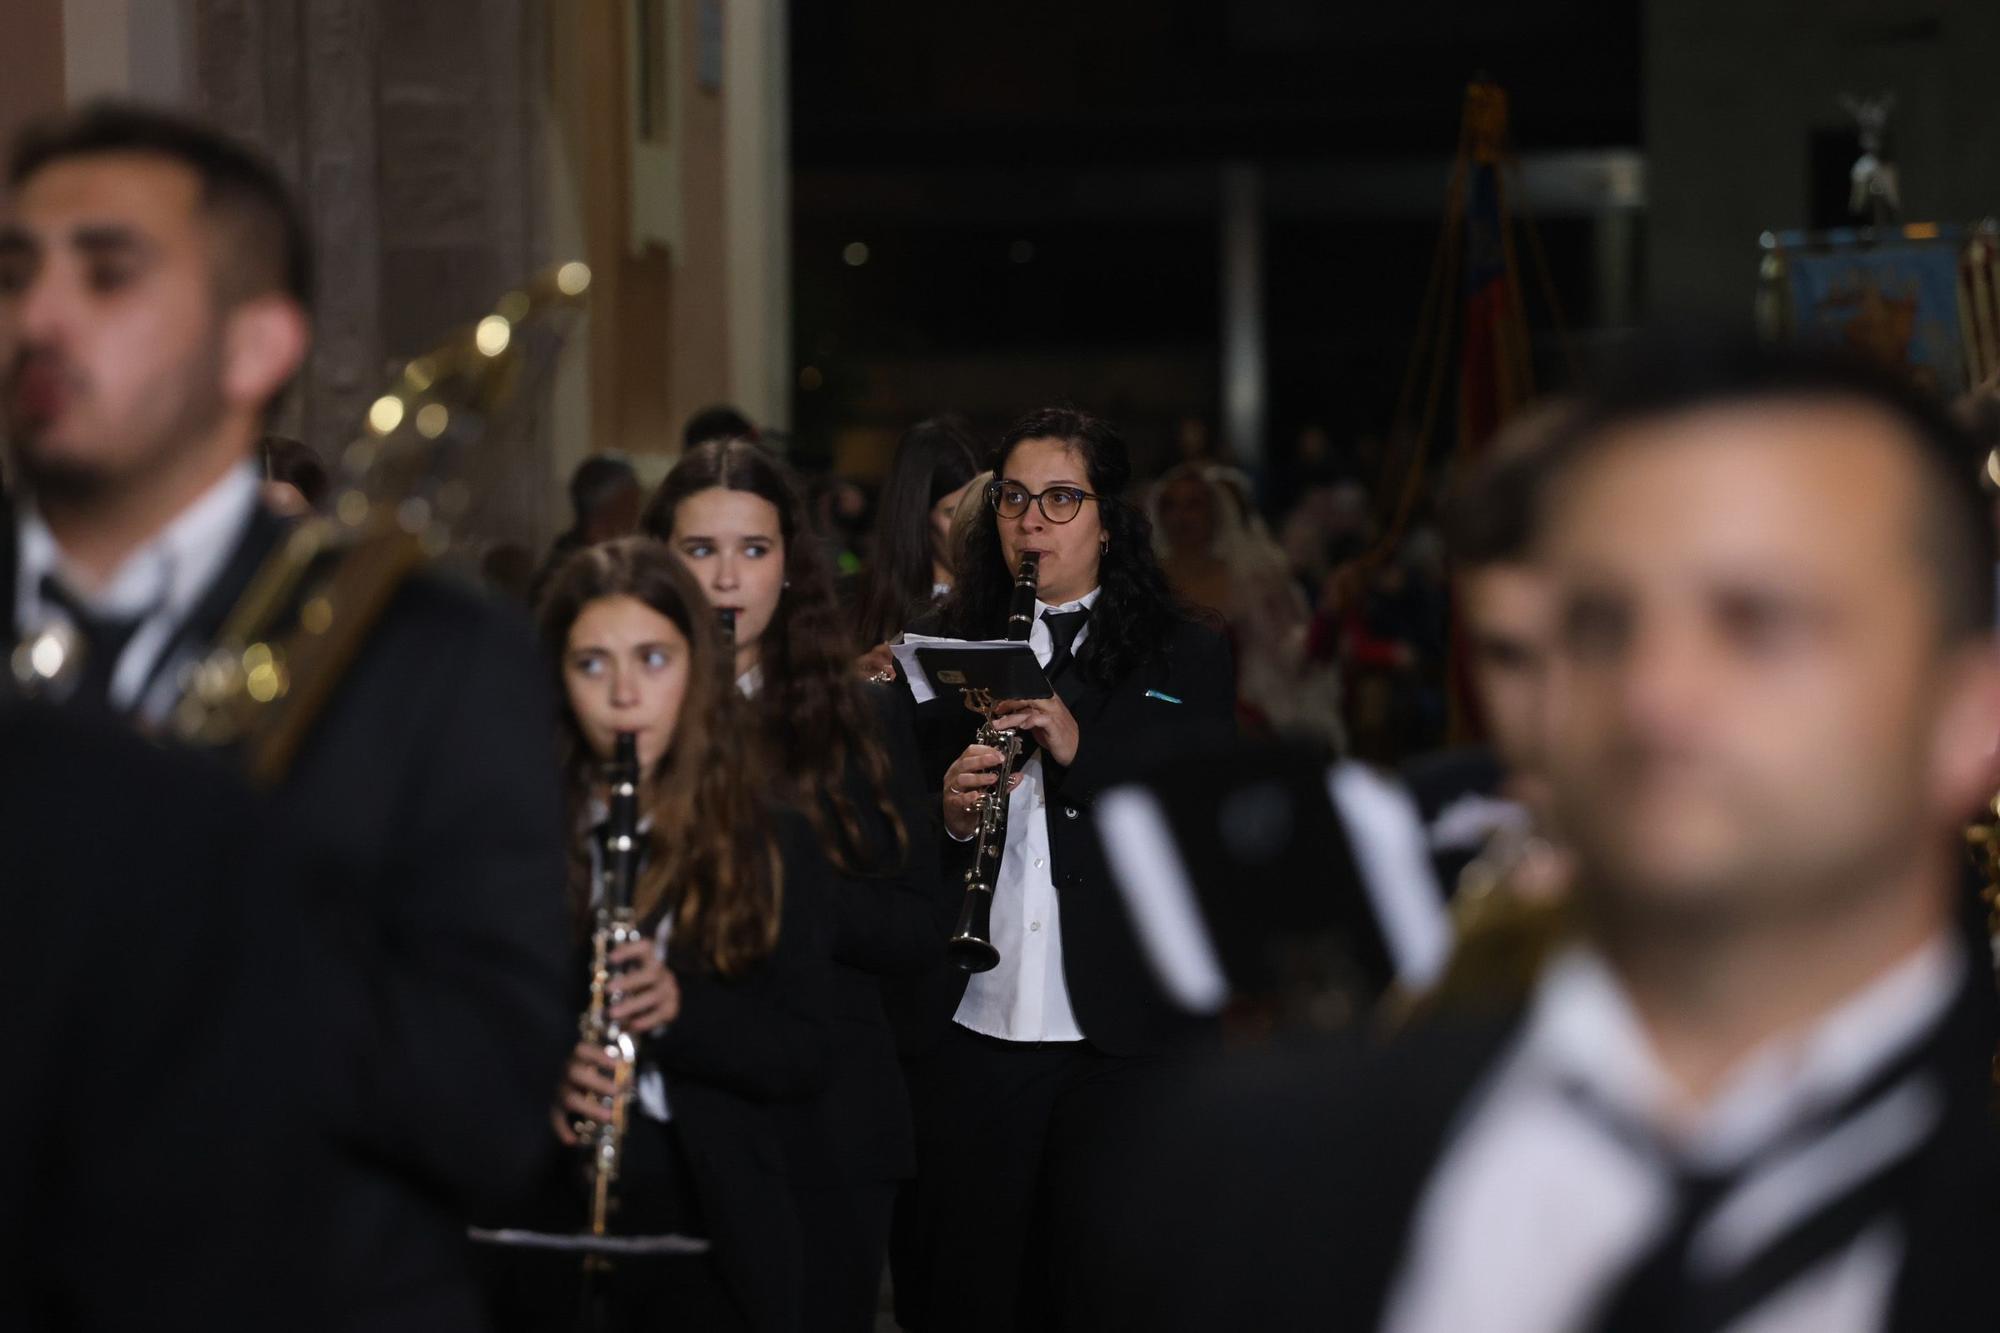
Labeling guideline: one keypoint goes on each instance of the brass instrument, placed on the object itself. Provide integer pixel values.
(971, 946)
(604, 1141)
(1503, 930)
(311, 606)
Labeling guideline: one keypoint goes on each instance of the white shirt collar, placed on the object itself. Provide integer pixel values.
(751, 681)
(1582, 1028)
(168, 573)
(1083, 603)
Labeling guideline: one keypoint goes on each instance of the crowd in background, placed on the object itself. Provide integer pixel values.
(1666, 1008)
(1338, 614)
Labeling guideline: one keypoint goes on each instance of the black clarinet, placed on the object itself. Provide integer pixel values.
(615, 926)
(971, 947)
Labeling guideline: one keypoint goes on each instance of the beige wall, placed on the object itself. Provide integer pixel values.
(696, 354)
(700, 314)
(1734, 92)
(697, 314)
(362, 102)
(757, 209)
(127, 48)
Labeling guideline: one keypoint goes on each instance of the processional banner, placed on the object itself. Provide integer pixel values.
(1920, 296)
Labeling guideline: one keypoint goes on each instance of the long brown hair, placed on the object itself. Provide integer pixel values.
(934, 458)
(710, 861)
(812, 717)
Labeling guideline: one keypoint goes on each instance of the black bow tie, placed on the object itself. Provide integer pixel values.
(104, 639)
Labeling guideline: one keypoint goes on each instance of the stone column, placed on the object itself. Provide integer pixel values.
(410, 132)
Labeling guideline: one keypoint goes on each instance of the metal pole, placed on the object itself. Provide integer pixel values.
(1244, 403)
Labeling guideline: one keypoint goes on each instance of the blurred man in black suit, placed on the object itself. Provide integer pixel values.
(1486, 807)
(1473, 796)
(154, 298)
(149, 1002)
(1755, 1094)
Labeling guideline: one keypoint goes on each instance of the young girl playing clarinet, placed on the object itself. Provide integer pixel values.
(728, 988)
(842, 750)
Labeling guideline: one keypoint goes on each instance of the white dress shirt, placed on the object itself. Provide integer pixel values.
(1539, 1206)
(1026, 997)
(160, 583)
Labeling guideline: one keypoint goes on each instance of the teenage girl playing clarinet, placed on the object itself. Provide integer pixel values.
(729, 990)
(841, 751)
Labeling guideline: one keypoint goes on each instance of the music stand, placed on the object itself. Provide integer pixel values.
(598, 1255)
(583, 1243)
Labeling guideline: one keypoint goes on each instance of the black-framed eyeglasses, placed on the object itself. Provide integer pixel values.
(1059, 504)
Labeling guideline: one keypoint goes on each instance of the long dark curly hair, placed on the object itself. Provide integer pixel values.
(709, 860)
(1134, 612)
(812, 719)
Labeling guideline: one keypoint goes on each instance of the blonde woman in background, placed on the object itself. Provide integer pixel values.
(1217, 562)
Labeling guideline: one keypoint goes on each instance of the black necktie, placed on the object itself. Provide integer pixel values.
(1063, 629)
(104, 640)
(1658, 1293)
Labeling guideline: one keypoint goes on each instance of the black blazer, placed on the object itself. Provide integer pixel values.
(743, 1050)
(148, 1015)
(1277, 1191)
(859, 1129)
(1120, 725)
(425, 816)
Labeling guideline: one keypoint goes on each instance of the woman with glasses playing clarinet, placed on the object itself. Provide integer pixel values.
(725, 990)
(841, 751)
(1031, 1067)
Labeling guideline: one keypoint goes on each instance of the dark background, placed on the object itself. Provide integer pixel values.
(1038, 187)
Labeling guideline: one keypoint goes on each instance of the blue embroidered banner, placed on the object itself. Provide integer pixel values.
(1897, 302)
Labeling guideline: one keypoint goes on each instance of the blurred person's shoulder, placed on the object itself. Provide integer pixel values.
(1301, 1089)
(443, 652)
(439, 608)
(1196, 632)
(1441, 779)
(1260, 1168)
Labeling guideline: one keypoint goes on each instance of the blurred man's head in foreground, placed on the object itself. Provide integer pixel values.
(1775, 687)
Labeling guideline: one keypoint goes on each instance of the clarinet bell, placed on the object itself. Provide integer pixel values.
(970, 947)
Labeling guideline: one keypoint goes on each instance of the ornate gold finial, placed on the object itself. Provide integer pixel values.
(1486, 120)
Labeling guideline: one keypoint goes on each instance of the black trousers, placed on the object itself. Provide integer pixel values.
(846, 1234)
(1013, 1142)
(531, 1291)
